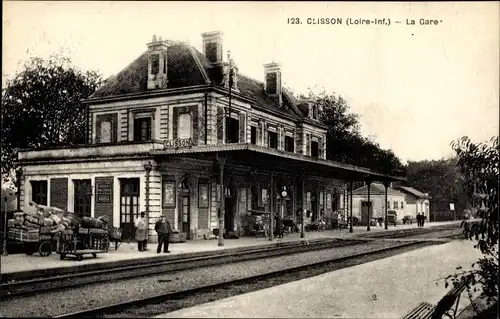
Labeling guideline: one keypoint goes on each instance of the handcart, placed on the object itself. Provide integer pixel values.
(115, 236)
(33, 241)
(82, 241)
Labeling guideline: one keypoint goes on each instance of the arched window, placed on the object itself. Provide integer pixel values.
(184, 126)
(105, 132)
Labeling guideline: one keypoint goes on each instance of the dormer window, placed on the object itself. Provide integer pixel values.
(271, 83)
(155, 64)
(211, 51)
(272, 77)
(314, 112)
(212, 46)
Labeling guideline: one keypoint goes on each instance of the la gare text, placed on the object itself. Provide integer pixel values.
(360, 21)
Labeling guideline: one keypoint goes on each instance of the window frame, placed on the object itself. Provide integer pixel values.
(253, 128)
(141, 114)
(311, 148)
(228, 122)
(291, 143)
(395, 204)
(38, 183)
(271, 133)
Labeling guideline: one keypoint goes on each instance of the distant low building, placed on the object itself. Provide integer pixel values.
(416, 201)
(395, 201)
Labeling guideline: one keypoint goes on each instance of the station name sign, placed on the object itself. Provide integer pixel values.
(178, 142)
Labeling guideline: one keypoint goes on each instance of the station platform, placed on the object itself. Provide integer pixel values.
(386, 288)
(18, 263)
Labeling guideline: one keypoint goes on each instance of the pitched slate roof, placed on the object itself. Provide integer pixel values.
(182, 71)
(189, 67)
(412, 191)
(376, 189)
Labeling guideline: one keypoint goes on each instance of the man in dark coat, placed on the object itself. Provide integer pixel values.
(163, 230)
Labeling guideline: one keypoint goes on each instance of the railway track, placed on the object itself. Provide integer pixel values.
(85, 277)
(408, 232)
(72, 280)
(166, 302)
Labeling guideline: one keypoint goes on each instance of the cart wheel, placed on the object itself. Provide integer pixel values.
(94, 255)
(45, 249)
(62, 256)
(79, 257)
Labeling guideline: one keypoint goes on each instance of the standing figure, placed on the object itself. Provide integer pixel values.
(141, 232)
(163, 230)
(422, 220)
(418, 219)
(279, 226)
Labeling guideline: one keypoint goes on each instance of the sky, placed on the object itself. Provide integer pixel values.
(415, 87)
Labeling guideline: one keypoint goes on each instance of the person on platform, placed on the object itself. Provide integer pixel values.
(279, 227)
(141, 232)
(419, 220)
(163, 230)
(422, 220)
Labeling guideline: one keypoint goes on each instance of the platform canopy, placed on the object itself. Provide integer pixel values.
(268, 159)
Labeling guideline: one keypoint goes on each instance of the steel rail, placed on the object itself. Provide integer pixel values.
(24, 287)
(99, 312)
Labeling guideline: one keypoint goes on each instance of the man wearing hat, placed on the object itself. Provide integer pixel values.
(141, 232)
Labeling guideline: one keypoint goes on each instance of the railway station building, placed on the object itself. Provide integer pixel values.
(184, 134)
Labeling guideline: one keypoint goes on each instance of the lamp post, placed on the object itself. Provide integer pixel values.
(4, 245)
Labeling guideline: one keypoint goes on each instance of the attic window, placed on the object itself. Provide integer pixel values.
(314, 111)
(155, 64)
(271, 83)
(211, 51)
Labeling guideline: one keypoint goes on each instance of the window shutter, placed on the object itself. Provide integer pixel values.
(320, 147)
(282, 138)
(113, 118)
(220, 126)
(242, 128)
(308, 144)
(266, 139)
(98, 128)
(259, 133)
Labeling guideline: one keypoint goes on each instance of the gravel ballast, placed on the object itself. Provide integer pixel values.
(69, 300)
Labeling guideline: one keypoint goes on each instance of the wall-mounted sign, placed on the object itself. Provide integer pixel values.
(104, 193)
(178, 142)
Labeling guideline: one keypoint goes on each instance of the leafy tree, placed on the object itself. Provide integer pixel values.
(41, 106)
(442, 180)
(478, 164)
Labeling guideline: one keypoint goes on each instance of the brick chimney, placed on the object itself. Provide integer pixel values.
(212, 46)
(272, 80)
(157, 64)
